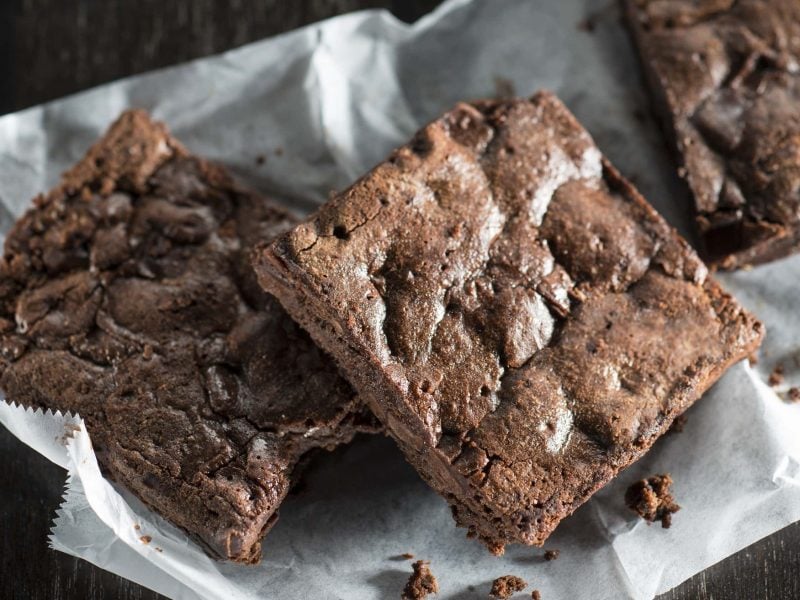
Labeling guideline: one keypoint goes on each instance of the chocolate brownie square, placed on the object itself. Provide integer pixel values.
(519, 318)
(126, 295)
(725, 80)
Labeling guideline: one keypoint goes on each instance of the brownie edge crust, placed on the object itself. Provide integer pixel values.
(523, 323)
(127, 296)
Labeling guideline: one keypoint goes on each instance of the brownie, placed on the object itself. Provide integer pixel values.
(725, 79)
(519, 318)
(126, 295)
(652, 499)
(550, 555)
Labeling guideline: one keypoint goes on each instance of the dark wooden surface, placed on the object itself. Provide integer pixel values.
(49, 48)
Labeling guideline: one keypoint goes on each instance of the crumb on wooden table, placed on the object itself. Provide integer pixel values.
(421, 583)
(505, 586)
(652, 500)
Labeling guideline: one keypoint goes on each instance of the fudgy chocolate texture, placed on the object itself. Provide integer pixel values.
(518, 317)
(725, 78)
(126, 295)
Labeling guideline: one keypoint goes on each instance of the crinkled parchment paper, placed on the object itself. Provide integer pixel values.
(322, 105)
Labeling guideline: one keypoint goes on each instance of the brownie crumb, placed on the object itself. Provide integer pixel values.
(158, 549)
(137, 527)
(753, 359)
(261, 159)
(793, 395)
(678, 424)
(145, 539)
(776, 377)
(407, 555)
(279, 151)
(651, 499)
(505, 586)
(421, 583)
(535, 595)
(552, 554)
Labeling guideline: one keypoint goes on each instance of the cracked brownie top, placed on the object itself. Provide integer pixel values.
(518, 317)
(726, 77)
(126, 295)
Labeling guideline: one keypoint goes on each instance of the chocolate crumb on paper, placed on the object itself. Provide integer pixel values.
(552, 554)
(535, 595)
(507, 585)
(421, 583)
(145, 539)
(776, 377)
(652, 500)
(407, 555)
(793, 395)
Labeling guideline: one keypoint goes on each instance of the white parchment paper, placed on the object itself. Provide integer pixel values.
(322, 105)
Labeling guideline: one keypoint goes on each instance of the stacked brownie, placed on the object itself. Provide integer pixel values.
(521, 321)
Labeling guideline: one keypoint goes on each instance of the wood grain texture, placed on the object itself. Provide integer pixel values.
(49, 48)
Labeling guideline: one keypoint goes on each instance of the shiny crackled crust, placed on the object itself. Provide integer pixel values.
(725, 77)
(519, 318)
(126, 295)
